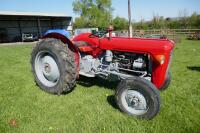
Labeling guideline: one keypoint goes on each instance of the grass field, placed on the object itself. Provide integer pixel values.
(90, 108)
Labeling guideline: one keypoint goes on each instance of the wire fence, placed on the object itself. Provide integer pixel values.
(174, 34)
(168, 32)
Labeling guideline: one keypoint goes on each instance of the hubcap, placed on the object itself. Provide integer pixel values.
(134, 102)
(46, 69)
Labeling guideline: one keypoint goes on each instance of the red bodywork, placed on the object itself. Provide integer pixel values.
(153, 47)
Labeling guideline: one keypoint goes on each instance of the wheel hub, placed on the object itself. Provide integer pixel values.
(47, 69)
(134, 102)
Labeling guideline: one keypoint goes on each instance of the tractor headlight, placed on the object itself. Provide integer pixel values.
(160, 59)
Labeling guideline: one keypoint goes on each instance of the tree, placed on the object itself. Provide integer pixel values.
(183, 21)
(93, 13)
(173, 24)
(194, 20)
(80, 22)
(120, 23)
(183, 18)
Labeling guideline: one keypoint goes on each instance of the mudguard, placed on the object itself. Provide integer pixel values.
(58, 31)
(64, 36)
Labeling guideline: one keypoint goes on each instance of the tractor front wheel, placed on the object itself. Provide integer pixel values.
(138, 97)
(53, 66)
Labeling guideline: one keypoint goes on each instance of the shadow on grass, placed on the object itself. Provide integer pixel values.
(89, 82)
(194, 68)
(112, 102)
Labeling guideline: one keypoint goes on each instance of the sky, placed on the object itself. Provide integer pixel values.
(141, 9)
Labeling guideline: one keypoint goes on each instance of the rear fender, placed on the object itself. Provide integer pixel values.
(64, 35)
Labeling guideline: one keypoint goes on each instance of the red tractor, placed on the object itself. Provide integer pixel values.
(140, 65)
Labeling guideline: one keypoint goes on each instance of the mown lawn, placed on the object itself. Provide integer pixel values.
(91, 107)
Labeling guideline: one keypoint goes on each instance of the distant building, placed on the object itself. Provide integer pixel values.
(14, 24)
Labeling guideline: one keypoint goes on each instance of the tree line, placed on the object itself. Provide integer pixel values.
(98, 13)
(181, 22)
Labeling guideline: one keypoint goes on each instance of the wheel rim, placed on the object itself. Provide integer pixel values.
(134, 102)
(46, 69)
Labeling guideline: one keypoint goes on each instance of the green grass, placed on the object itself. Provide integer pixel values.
(91, 107)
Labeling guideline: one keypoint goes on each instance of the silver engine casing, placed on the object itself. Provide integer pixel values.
(88, 65)
(105, 68)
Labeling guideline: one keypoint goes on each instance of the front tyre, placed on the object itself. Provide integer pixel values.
(138, 97)
(53, 66)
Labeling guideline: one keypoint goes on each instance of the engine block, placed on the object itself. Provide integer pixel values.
(113, 63)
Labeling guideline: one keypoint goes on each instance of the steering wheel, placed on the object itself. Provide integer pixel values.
(99, 34)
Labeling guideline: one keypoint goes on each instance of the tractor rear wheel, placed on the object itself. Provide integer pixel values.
(53, 66)
(138, 97)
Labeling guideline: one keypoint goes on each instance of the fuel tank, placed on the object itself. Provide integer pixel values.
(138, 45)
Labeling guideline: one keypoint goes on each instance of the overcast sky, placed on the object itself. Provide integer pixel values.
(141, 9)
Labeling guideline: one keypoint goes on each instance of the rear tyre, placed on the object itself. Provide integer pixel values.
(53, 66)
(138, 97)
(166, 83)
